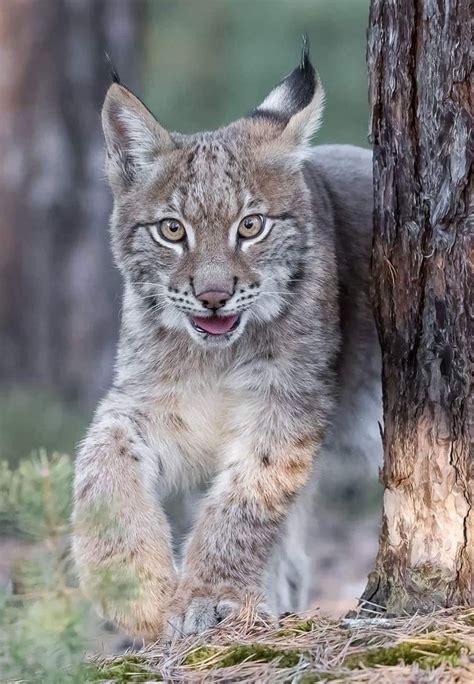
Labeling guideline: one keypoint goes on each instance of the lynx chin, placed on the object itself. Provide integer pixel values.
(247, 350)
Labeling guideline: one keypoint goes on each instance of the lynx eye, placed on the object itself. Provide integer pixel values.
(250, 226)
(171, 230)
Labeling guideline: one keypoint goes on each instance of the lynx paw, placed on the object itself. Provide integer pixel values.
(200, 615)
(196, 610)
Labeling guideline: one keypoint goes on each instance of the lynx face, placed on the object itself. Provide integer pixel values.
(211, 229)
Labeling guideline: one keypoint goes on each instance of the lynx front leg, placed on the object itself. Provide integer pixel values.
(235, 534)
(121, 540)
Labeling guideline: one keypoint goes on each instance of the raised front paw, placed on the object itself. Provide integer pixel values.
(199, 608)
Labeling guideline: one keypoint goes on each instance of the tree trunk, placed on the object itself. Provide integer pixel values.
(59, 293)
(420, 91)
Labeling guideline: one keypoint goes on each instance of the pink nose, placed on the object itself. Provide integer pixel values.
(214, 299)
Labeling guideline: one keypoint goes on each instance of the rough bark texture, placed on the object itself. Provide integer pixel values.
(419, 65)
(58, 289)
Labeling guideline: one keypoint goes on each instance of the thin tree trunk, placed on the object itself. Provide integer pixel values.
(59, 293)
(420, 90)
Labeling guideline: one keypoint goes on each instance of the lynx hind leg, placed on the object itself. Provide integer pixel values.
(289, 571)
(121, 537)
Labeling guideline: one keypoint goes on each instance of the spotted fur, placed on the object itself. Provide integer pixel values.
(238, 417)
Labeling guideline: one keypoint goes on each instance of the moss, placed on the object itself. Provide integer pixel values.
(427, 653)
(202, 654)
(305, 626)
(127, 669)
(235, 655)
(314, 678)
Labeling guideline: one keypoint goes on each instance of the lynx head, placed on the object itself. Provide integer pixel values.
(211, 229)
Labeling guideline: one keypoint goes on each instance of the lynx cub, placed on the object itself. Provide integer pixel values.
(247, 348)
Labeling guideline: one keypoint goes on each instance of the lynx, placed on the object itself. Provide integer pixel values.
(247, 350)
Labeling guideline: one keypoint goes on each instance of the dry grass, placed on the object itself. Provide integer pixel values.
(435, 649)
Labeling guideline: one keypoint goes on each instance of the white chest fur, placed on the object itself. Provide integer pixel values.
(196, 420)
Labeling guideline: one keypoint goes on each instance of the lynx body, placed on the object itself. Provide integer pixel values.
(247, 349)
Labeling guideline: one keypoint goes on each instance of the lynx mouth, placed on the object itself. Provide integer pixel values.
(215, 325)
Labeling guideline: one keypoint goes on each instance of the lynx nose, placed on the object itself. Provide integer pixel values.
(214, 299)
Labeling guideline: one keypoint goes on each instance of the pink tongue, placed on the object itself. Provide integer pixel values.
(215, 325)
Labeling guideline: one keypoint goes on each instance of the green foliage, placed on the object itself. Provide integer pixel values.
(205, 67)
(44, 624)
(35, 498)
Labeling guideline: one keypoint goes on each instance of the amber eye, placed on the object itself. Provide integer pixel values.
(172, 230)
(250, 226)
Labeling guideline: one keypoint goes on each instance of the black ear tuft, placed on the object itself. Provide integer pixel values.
(296, 104)
(113, 71)
(302, 81)
(293, 94)
(305, 61)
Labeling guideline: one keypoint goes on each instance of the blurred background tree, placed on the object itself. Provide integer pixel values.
(59, 293)
(198, 64)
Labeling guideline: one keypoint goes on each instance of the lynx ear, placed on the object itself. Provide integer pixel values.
(295, 106)
(134, 138)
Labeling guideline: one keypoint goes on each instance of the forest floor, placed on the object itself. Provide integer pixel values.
(435, 649)
(50, 634)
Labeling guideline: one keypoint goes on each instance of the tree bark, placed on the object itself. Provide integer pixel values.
(59, 293)
(421, 98)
